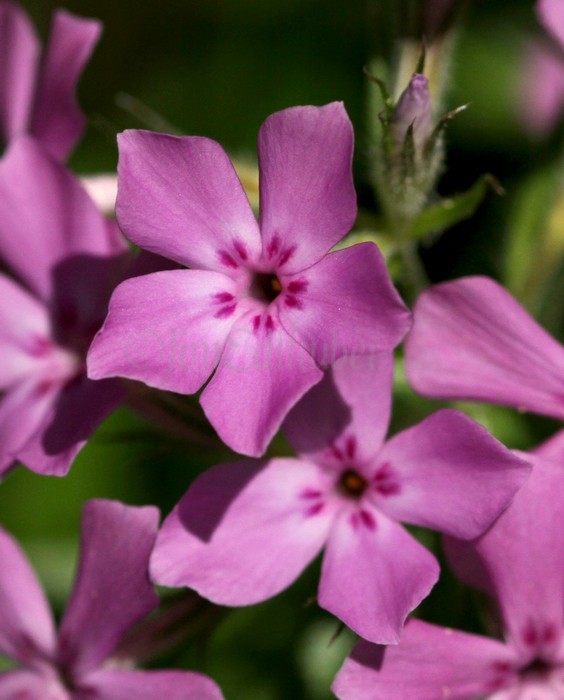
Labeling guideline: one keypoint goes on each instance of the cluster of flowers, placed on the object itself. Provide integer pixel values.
(290, 336)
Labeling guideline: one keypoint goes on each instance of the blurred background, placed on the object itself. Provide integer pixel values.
(219, 68)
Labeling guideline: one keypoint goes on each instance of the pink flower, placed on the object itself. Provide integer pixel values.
(37, 92)
(111, 593)
(263, 305)
(472, 340)
(245, 531)
(64, 258)
(520, 563)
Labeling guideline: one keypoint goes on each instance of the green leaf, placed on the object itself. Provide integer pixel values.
(451, 210)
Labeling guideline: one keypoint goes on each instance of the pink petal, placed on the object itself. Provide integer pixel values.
(28, 685)
(308, 202)
(429, 663)
(374, 573)
(349, 307)
(57, 120)
(19, 56)
(150, 685)
(553, 448)
(453, 475)
(551, 14)
(72, 419)
(244, 531)
(541, 97)
(472, 340)
(46, 217)
(167, 329)
(112, 589)
(522, 556)
(27, 633)
(181, 198)
(24, 332)
(262, 374)
(351, 403)
(22, 411)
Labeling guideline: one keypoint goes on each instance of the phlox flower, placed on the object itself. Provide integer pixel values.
(111, 593)
(520, 563)
(244, 531)
(61, 259)
(472, 340)
(263, 303)
(37, 90)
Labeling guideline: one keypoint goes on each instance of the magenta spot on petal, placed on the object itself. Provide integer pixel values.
(227, 259)
(240, 250)
(350, 446)
(530, 635)
(223, 297)
(269, 324)
(385, 482)
(273, 246)
(226, 311)
(43, 387)
(39, 346)
(310, 493)
(286, 255)
(549, 634)
(335, 452)
(354, 520)
(256, 323)
(315, 509)
(368, 519)
(293, 302)
(297, 286)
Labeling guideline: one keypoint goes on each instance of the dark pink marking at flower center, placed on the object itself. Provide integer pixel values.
(503, 672)
(352, 484)
(40, 346)
(385, 481)
(363, 518)
(276, 253)
(266, 321)
(227, 303)
(314, 499)
(294, 290)
(226, 259)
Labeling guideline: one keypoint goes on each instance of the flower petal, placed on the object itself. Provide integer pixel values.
(262, 374)
(181, 198)
(453, 476)
(149, 685)
(374, 573)
(352, 401)
(46, 217)
(28, 685)
(57, 120)
(349, 307)
(522, 555)
(244, 531)
(112, 589)
(307, 197)
(27, 632)
(472, 340)
(166, 329)
(22, 411)
(72, 419)
(19, 57)
(551, 14)
(429, 663)
(24, 330)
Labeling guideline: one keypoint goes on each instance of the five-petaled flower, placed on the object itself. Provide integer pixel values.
(520, 563)
(244, 531)
(111, 593)
(262, 304)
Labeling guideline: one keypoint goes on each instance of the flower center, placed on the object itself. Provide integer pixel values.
(265, 287)
(352, 484)
(538, 668)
